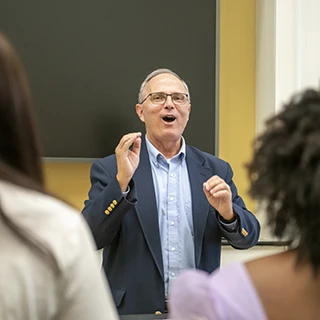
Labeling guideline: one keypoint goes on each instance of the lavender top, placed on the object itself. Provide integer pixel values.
(226, 294)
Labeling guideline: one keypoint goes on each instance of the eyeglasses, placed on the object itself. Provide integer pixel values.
(160, 98)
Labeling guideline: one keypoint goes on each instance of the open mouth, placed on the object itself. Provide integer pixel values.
(168, 118)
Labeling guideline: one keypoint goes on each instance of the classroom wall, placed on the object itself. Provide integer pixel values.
(237, 88)
(287, 53)
(70, 181)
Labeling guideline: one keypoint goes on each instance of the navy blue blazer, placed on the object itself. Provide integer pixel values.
(128, 230)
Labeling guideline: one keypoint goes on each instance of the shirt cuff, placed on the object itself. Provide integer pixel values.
(126, 192)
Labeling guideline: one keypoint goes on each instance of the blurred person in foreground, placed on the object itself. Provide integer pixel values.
(49, 269)
(159, 206)
(285, 179)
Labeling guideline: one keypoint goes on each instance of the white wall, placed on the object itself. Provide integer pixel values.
(230, 255)
(287, 52)
(287, 57)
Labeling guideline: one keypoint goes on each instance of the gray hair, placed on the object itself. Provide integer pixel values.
(156, 73)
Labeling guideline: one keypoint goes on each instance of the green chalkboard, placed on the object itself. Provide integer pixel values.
(86, 60)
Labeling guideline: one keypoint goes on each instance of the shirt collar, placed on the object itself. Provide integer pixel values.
(155, 154)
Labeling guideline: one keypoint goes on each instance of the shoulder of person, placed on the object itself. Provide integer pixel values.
(220, 284)
(108, 162)
(53, 224)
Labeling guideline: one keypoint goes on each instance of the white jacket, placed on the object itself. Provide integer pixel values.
(60, 278)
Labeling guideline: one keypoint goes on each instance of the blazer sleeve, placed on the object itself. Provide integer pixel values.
(248, 232)
(106, 206)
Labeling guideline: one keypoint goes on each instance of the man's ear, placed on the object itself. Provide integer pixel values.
(189, 111)
(139, 111)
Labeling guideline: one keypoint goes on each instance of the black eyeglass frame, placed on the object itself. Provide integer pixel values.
(167, 94)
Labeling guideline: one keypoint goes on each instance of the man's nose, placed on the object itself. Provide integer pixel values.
(169, 102)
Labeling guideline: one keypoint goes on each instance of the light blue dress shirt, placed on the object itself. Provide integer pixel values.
(174, 204)
(173, 197)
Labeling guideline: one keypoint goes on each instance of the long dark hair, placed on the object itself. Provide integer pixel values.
(285, 174)
(20, 160)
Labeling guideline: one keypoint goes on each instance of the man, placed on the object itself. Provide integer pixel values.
(159, 206)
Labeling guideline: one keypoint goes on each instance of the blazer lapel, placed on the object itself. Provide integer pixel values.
(147, 208)
(198, 174)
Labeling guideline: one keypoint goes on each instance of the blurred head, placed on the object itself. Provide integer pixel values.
(285, 173)
(19, 148)
(164, 106)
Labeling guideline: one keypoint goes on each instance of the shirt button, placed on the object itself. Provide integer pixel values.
(172, 223)
(173, 249)
(171, 198)
(171, 175)
(173, 274)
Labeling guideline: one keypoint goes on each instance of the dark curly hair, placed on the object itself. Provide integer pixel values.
(285, 174)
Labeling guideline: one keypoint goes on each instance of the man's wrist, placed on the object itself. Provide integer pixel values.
(123, 184)
(124, 193)
(233, 219)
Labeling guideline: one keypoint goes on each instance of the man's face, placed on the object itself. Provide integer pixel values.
(166, 121)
